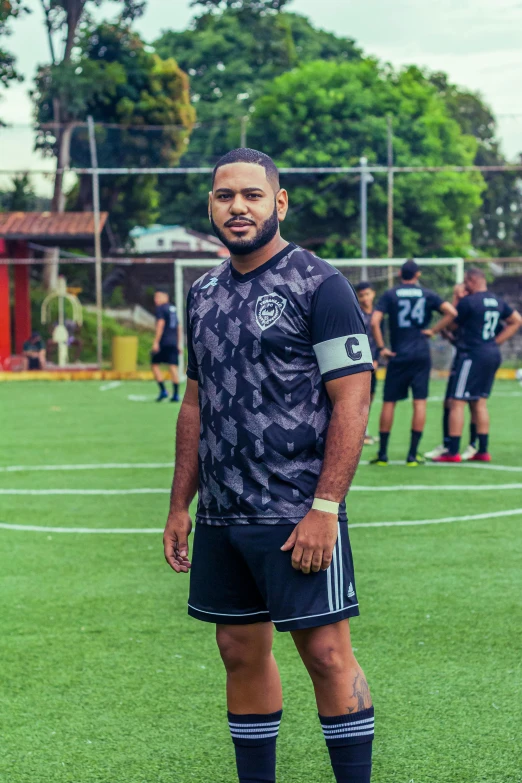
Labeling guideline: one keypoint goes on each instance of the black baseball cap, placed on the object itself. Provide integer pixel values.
(409, 269)
(363, 285)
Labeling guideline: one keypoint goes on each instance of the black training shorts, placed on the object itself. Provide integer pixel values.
(472, 375)
(240, 576)
(166, 355)
(403, 374)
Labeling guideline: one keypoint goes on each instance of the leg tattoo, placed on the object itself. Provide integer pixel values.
(361, 693)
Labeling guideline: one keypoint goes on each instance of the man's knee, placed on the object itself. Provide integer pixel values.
(324, 659)
(238, 648)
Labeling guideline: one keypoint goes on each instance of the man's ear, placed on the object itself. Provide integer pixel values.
(281, 203)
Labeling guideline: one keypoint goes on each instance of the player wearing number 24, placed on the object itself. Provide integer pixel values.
(409, 308)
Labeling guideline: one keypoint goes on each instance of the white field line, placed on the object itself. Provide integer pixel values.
(356, 488)
(89, 466)
(437, 398)
(157, 465)
(110, 385)
(157, 531)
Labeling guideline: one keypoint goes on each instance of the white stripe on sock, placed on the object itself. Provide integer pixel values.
(343, 731)
(254, 736)
(332, 726)
(353, 734)
(254, 725)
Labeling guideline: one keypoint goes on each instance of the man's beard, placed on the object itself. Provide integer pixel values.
(242, 247)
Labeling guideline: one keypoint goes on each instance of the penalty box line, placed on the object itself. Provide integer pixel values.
(158, 531)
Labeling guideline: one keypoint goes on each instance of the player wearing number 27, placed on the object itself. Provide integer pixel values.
(409, 308)
(484, 322)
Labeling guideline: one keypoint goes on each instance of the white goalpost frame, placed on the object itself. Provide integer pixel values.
(340, 263)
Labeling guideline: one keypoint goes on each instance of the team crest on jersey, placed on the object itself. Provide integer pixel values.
(269, 308)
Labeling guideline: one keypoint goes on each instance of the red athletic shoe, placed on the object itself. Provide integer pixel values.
(481, 458)
(448, 458)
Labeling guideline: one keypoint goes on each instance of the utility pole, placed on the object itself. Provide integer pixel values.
(244, 123)
(97, 239)
(390, 198)
(366, 179)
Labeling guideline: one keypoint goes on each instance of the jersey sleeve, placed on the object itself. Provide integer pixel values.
(160, 313)
(192, 364)
(435, 301)
(337, 330)
(384, 301)
(462, 311)
(505, 311)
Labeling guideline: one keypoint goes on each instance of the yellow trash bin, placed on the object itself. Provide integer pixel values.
(124, 354)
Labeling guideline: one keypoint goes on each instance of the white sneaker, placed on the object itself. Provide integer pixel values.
(469, 453)
(437, 452)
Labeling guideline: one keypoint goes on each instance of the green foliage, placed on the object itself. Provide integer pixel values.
(112, 328)
(231, 58)
(118, 81)
(9, 10)
(497, 224)
(21, 198)
(328, 113)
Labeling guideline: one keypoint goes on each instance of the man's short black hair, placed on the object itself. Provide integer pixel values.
(409, 269)
(247, 155)
(363, 285)
(474, 271)
(161, 289)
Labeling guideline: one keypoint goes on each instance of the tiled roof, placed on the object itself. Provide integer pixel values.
(28, 225)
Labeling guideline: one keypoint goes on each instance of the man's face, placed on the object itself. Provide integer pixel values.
(366, 297)
(160, 298)
(243, 208)
(471, 284)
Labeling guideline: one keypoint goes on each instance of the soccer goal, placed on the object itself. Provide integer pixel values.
(440, 274)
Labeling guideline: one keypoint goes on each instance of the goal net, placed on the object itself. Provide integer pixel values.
(439, 274)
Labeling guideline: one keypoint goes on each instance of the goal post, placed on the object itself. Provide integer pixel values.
(378, 271)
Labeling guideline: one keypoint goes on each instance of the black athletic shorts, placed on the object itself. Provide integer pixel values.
(240, 576)
(472, 375)
(166, 355)
(403, 374)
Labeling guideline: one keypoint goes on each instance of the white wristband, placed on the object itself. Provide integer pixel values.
(325, 505)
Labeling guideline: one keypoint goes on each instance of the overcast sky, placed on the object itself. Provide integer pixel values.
(477, 42)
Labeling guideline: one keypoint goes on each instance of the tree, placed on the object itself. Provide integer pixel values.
(232, 52)
(497, 224)
(329, 113)
(120, 83)
(9, 10)
(64, 20)
(21, 198)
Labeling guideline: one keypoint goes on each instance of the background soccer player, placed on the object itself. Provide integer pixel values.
(366, 296)
(409, 308)
(276, 407)
(479, 315)
(450, 334)
(166, 346)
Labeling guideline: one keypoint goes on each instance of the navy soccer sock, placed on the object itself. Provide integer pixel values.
(472, 434)
(416, 435)
(483, 444)
(445, 426)
(175, 389)
(254, 738)
(383, 448)
(161, 386)
(454, 445)
(349, 740)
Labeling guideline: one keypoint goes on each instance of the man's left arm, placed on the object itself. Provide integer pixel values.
(345, 362)
(449, 313)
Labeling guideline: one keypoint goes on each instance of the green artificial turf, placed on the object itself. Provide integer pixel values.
(105, 679)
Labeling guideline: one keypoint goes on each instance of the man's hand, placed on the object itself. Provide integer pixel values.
(155, 347)
(175, 541)
(385, 353)
(428, 332)
(313, 541)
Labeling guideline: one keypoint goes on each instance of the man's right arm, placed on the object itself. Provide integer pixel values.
(185, 482)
